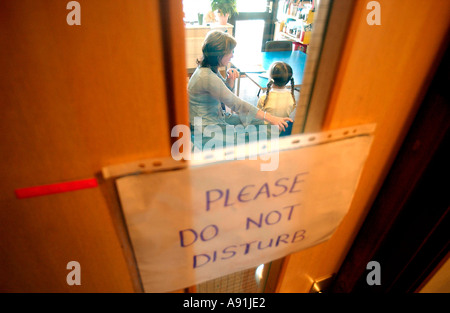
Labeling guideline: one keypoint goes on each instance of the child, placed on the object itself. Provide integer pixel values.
(279, 100)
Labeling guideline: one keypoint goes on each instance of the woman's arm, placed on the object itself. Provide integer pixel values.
(220, 91)
(281, 122)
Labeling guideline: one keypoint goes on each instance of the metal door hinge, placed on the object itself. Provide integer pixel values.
(322, 285)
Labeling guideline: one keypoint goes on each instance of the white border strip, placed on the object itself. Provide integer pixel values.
(235, 153)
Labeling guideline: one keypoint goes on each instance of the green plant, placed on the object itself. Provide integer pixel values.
(224, 6)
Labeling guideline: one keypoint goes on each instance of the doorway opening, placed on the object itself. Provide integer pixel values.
(256, 23)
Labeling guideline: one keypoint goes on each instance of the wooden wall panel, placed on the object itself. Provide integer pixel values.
(175, 51)
(75, 99)
(381, 79)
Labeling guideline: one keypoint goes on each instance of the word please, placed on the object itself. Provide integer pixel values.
(225, 198)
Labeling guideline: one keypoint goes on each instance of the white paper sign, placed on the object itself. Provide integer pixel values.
(191, 225)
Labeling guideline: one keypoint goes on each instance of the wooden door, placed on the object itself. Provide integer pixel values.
(77, 98)
(74, 99)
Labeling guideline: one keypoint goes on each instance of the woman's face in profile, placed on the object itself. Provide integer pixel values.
(226, 58)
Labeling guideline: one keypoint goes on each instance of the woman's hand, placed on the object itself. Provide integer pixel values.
(281, 122)
(232, 74)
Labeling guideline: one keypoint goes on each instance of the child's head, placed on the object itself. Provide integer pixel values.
(280, 73)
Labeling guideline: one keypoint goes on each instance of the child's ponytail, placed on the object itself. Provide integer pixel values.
(293, 90)
(269, 86)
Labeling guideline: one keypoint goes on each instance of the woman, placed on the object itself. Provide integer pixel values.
(208, 90)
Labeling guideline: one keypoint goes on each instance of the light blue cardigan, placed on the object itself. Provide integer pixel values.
(207, 90)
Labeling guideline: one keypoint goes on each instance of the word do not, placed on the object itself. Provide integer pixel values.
(189, 236)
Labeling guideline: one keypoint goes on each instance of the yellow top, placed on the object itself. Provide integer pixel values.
(280, 102)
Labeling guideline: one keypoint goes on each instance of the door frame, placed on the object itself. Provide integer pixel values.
(406, 230)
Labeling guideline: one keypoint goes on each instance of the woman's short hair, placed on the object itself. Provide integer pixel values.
(217, 44)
